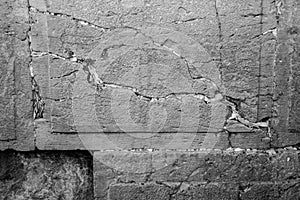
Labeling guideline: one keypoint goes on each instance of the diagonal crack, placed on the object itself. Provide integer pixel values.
(188, 20)
(81, 21)
(66, 74)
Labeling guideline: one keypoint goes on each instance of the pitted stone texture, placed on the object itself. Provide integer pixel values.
(46, 175)
(16, 128)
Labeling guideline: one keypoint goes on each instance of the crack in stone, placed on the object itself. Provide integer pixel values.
(253, 15)
(229, 134)
(101, 85)
(94, 78)
(81, 21)
(38, 103)
(232, 103)
(58, 99)
(218, 97)
(176, 54)
(188, 20)
(273, 31)
(65, 75)
(72, 58)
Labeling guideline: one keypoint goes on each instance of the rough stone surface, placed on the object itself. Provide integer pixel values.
(45, 175)
(196, 175)
(175, 99)
(286, 76)
(139, 74)
(16, 127)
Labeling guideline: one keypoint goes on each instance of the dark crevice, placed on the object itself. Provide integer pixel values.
(38, 103)
(8, 140)
(87, 66)
(235, 101)
(253, 15)
(188, 20)
(229, 138)
(67, 74)
(64, 133)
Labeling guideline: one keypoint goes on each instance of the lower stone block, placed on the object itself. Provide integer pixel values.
(46, 175)
(195, 175)
(280, 191)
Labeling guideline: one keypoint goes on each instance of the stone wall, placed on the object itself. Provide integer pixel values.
(149, 99)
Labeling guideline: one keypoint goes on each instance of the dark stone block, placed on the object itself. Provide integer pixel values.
(46, 175)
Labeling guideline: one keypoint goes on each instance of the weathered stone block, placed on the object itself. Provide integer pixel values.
(286, 76)
(16, 127)
(176, 170)
(46, 175)
(281, 191)
(246, 53)
(119, 70)
(141, 82)
(249, 140)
